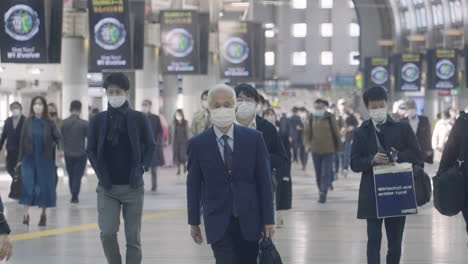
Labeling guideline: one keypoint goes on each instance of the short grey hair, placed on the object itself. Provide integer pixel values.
(221, 88)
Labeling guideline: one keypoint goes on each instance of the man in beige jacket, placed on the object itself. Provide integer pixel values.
(201, 119)
(322, 137)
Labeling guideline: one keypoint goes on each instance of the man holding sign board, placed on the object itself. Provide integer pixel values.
(384, 146)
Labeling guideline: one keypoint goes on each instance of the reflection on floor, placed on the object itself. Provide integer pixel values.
(312, 233)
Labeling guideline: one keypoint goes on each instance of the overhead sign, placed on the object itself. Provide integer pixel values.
(377, 72)
(408, 72)
(180, 41)
(394, 190)
(23, 31)
(443, 69)
(236, 49)
(110, 46)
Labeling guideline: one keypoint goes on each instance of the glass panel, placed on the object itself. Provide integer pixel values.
(269, 33)
(354, 30)
(269, 58)
(352, 60)
(299, 4)
(326, 4)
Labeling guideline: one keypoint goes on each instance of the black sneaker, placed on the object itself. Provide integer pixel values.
(75, 201)
(322, 198)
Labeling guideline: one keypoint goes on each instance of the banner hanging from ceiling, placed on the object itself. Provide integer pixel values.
(408, 72)
(110, 46)
(377, 72)
(23, 31)
(443, 69)
(236, 49)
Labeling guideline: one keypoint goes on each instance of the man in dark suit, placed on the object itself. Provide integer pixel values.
(11, 134)
(379, 141)
(296, 127)
(229, 175)
(120, 149)
(422, 128)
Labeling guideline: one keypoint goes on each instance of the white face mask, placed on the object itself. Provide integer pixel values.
(178, 117)
(245, 110)
(204, 104)
(16, 112)
(117, 101)
(378, 115)
(38, 109)
(145, 109)
(223, 117)
(271, 119)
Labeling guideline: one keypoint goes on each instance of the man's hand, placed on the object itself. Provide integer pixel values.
(196, 234)
(18, 165)
(6, 248)
(380, 158)
(269, 231)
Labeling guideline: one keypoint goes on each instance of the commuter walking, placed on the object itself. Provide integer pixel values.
(158, 155)
(296, 126)
(179, 138)
(350, 125)
(303, 151)
(39, 138)
(338, 159)
(201, 120)
(377, 142)
(422, 128)
(6, 247)
(12, 134)
(58, 159)
(74, 132)
(441, 134)
(229, 163)
(120, 149)
(321, 137)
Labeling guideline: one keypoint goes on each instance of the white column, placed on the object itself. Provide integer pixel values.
(75, 72)
(147, 80)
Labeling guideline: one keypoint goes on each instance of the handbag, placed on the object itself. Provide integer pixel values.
(268, 253)
(422, 185)
(15, 187)
(449, 187)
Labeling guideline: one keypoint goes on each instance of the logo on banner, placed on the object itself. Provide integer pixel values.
(236, 50)
(21, 22)
(379, 75)
(410, 72)
(178, 42)
(109, 33)
(445, 69)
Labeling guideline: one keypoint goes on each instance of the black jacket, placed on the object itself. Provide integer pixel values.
(458, 138)
(156, 126)
(398, 135)
(424, 136)
(273, 142)
(12, 135)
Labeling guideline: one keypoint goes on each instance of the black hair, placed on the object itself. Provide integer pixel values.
(322, 101)
(16, 104)
(248, 91)
(75, 106)
(205, 93)
(446, 114)
(147, 101)
(295, 109)
(118, 79)
(375, 93)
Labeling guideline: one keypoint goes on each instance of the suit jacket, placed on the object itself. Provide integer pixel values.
(456, 143)
(398, 135)
(141, 140)
(51, 139)
(424, 136)
(12, 135)
(250, 186)
(156, 126)
(273, 143)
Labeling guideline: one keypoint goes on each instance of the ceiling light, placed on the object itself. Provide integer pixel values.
(269, 25)
(35, 71)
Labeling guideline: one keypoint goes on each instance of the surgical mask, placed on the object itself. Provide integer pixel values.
(117, 101)
(223, 117)
(16, 112)
(204, 104)
(178, 117)
(271, 119)
(245, 110)
(38, 109)
(145, 109)
(412, 113)
(378, 115)
(319, 112)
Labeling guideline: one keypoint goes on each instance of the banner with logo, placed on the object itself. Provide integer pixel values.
(110, 35)
(443, 70)
(408, 72)
(180, 41)
(236, 49)
(23, 31)
(377, 72)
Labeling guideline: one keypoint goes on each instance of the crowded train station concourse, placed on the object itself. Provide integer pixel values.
(233, 131)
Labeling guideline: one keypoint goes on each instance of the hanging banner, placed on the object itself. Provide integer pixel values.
(377, 72)
(236, 49)
(443, 69)
(180, 41)
(408, 72)
(110, 46)
(23, 31)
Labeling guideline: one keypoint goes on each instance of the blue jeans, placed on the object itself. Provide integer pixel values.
(346, 156)
(323, 164)
(75, 168)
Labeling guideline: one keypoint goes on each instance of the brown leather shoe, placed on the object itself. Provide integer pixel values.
(43, 221)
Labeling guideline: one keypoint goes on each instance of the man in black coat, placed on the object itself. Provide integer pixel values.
(422, 128)
(397, 142)
(11, 134)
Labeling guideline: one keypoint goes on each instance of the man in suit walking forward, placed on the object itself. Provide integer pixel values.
(229, 175)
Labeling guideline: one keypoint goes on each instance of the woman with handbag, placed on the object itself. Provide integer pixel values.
(39, 137)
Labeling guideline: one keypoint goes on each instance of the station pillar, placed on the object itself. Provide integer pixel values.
(147, 80)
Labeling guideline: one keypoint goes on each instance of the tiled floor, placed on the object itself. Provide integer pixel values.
(314, 234)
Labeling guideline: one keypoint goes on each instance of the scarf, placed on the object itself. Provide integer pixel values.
(117, 123)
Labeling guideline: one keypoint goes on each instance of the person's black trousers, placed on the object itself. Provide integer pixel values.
(11, 162)
(75, 168)
(394, 228)
(233, 248)
(304, 156)
(465, 213)
(295, 147)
